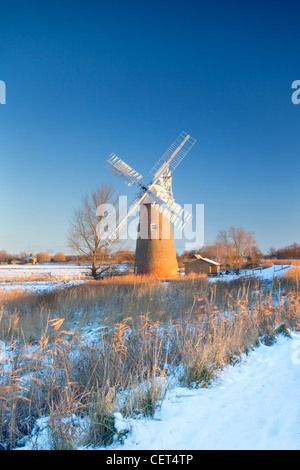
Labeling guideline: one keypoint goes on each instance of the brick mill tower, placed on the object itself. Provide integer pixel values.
(155, 250)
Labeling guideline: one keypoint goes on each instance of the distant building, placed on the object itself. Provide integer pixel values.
(31, 260)
(13, 261)
(201, 265)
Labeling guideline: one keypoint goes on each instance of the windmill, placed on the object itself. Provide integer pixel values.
(155, 250)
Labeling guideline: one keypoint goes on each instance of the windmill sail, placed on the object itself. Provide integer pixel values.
(119, 168)
(112, 236)
(159, 188)
(172, 211)
(174, 155)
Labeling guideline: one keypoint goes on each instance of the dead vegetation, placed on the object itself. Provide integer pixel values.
(77, 356)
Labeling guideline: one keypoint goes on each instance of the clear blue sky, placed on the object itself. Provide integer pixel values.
(85, 79)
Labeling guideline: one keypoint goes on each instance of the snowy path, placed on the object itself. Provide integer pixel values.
(254, 405)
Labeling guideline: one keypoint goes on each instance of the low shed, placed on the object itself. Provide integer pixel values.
(31, 260)
(201, 265)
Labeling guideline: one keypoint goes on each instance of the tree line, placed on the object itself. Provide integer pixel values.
(288, 252)
(119, 256)
(41, 257)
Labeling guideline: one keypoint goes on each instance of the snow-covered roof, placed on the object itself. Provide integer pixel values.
(29, 258)
(210, 261)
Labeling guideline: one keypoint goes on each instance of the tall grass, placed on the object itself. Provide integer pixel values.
(271, 262)
(79, 356)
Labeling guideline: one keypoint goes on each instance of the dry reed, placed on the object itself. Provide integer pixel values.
(148, 331)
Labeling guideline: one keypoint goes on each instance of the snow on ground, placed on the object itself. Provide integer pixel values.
(269, 273)
(55, 270)
(63, 275)
(56, 276)
(37, 287)
(253, 405)
(260, 273)
(13, 271)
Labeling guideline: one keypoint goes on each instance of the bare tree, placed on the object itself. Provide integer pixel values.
(3, 256)
(237, 247)
(88, 227)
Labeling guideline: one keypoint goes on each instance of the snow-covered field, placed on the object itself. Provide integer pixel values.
(260, 273)
(13, 271)
(59, 276)
(253, 405)
(37, 287)
(40, 278)
(44, 277)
